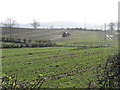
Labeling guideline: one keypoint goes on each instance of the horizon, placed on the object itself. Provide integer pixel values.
(66, 24)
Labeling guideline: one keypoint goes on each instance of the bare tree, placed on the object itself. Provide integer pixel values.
(118, 26)
(9, 23)
(111, 26)
(35, 24)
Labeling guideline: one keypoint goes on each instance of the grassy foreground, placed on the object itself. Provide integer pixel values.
(62, 66)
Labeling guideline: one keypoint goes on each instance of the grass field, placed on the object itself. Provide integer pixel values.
(76, 36)
(62, 66)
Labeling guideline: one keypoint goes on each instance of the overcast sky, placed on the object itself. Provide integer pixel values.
(95, 11)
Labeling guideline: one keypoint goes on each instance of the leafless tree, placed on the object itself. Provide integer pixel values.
(111, 26)
(9, 23)
(118, 26)
(35, 24)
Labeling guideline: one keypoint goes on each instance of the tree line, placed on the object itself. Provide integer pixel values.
(10, 22)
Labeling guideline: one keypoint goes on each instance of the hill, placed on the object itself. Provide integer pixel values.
(55, 35)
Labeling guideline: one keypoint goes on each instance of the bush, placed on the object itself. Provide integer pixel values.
(108, 75)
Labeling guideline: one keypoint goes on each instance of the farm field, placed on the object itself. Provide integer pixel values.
(76, 36)
(63, 67)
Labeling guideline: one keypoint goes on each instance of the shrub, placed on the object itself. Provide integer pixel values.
(108, 75)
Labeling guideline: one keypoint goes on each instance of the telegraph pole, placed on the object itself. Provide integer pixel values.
(105, 30)
(119, 44)
(119, 26)
(85, 24)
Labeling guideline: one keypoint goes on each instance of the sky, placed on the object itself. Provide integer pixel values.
(91, 11)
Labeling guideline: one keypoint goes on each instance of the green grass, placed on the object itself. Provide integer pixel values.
(27, 63)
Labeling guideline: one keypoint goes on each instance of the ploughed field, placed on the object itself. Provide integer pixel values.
(62, 66)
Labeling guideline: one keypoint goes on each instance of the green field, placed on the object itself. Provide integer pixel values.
(62, 66)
